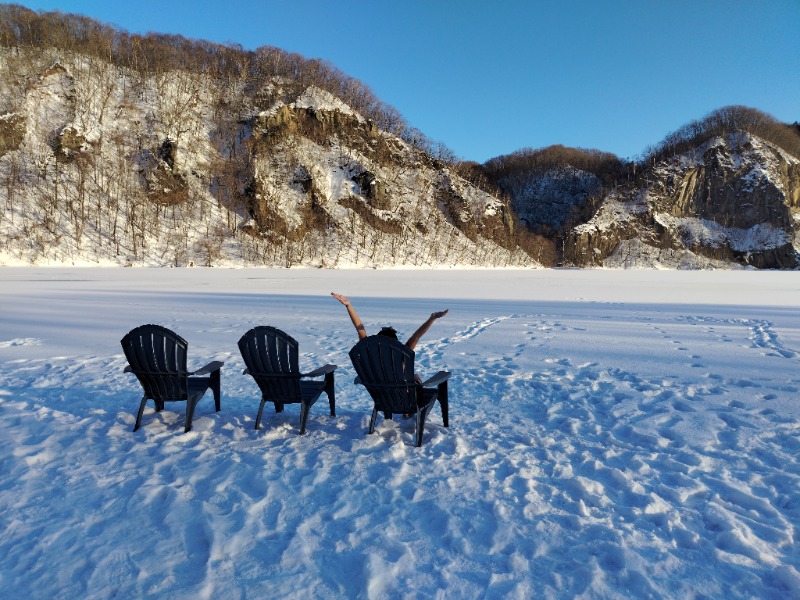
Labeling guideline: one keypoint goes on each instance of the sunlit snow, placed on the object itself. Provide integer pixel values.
(613, 434)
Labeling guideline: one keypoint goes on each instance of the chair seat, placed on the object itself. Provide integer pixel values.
(428, 394)
(421, 400)
(198, 386)
(309, 389)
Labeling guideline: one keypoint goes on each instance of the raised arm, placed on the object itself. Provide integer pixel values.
(362, 333)
(412, 341)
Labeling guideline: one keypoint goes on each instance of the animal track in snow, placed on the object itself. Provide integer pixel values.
(763, 337)
(761, 333)
(476, 329)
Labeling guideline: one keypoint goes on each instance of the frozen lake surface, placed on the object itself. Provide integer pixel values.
(613, 434)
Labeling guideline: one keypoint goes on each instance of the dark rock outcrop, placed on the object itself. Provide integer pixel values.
(733, 199)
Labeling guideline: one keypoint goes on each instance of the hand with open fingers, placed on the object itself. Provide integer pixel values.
(340, 298)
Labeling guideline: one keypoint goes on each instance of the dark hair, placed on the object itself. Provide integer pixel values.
(388, 332)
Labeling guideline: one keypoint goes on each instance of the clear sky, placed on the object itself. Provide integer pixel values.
(490, 77)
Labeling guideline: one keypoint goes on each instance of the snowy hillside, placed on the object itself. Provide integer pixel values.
(734, 200)
(104, 165)
(547, 198)
(120, 149)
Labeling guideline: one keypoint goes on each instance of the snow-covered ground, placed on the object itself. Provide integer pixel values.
(613, 434)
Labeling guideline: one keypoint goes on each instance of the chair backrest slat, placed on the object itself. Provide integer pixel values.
(272, 358)
(157, 356)
(386, 368)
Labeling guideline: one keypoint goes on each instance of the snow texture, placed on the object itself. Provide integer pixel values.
(613, 434)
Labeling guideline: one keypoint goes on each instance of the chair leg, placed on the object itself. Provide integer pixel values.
(330, 392)
(443, 403)
(372, 420)
(303, 417)
(260, 411)
(422, 415)
(216, 379)
(141, 410)
(190, 406)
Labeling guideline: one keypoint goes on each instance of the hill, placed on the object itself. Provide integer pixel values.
(717, 193)
(120, 149)
(171, 151)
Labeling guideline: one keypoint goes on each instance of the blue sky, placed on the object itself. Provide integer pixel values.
(488, 78)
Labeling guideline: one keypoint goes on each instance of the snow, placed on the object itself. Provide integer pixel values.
(104, 212)
(613, 434)
(319, 99)
(635, 254)
(762, 236)
(613, 213)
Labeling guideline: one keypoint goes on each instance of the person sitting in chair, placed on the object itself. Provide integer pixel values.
(388, 331)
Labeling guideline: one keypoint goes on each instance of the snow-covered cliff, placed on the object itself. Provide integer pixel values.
(102, 164)
(733, 200)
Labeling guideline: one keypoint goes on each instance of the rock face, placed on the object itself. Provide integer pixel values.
(12, 130)
(101, 164)
(548, 198)
(730, 200)
(324, 174)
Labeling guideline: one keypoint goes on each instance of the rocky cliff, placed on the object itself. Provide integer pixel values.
(157, 150)
(550, 198)
(104, 164)
(732, 200)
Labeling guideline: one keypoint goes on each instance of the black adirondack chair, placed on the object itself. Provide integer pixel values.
(157, 356)
(271, 358)
(386, 368)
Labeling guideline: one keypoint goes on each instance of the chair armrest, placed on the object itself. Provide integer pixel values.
(128, 369)
(321, 371)
(440, 377)
(215, 365)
